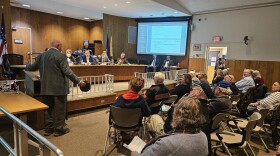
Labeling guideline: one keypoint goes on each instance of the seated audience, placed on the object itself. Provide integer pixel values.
(197, 92)
(157, 92)
(104, 58)
(225, 72)
(167, 63)
(184, 86)
(246, 82)
(132, 99)
(205, 85)
(257, 78)
(70, 58)
(195, 80)
(230, 79)
(261, 88)
(269, 103)
(222, 103)
(88, 59)
(187, 137)
(219, 77)
(122, 59)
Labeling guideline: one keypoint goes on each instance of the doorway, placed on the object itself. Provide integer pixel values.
(214, 54)
(22, 42)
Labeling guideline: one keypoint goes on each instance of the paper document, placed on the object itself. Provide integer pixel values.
(136, 144)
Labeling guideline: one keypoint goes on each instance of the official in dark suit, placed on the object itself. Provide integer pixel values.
(122, 59)
(54, 71)
(167, 63)
(88, 59)
(155, 65)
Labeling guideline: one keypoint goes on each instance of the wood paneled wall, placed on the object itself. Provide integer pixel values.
(5, 8)
(96, 30)
(268, 69)
(46, 27)
(197, 64)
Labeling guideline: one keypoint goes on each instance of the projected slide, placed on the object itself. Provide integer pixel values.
(162, 38)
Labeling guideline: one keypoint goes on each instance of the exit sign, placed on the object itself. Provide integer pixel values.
(217, 39)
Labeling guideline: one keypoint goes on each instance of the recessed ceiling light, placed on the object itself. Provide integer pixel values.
(175, 12)
(59, 12)
(26, 5)
(115, 4)
(86, 18)
(104, 7)
(127, 2)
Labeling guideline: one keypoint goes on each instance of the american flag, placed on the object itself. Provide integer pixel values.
(3, 43)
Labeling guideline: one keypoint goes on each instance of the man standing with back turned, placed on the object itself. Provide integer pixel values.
(54, 71)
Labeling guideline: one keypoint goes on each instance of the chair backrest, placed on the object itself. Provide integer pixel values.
(217, 120)
(141, 61)
(251, 125)
(234, 98)
(14, 59)
(125, 117)
(156, 104)
(132, 60)
(263, 113)
(171, 99)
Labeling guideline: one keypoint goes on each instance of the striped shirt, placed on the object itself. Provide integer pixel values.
(270, 101)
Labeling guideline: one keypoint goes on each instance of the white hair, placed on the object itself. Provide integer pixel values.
(158, 78)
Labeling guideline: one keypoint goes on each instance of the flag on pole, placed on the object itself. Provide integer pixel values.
(108, 47)
(3, 43)
(111, 47)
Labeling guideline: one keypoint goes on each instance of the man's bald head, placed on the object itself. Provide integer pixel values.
(56, 44)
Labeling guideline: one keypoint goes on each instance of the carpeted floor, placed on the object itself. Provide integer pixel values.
(87, 137)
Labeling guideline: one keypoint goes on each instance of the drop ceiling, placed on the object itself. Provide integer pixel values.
(94, 9)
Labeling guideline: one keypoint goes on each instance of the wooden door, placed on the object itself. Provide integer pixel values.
(24, 35)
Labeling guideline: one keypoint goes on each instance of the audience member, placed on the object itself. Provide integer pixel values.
(246, 82)
(157, 92)
(225, 72)
(167, 63)
(205, 85)
(269, 103)
(104, 58)
(54, 70)
(230, 79)
(132, 99)
(222, 103)
(70, 58)
(219, 77)
(122, 59)
(187, 137)
(195, 80)
(184, 86)
(88, 59)
(257, 78)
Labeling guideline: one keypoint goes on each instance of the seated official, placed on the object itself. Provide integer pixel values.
(70, 58)
(157, 92)
(187, 137)
(222, 103)
(122, 59)
(154, 66)
(184, 86)
(79, 53)
(88, 59)
(132, 99)
(104, 58)
(167, 63)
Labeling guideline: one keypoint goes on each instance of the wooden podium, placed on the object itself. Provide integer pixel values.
(32, 83)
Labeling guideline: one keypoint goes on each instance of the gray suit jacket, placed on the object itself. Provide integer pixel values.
(54, 71)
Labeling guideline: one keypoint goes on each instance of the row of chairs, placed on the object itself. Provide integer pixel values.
(240, 132)
(127, 120)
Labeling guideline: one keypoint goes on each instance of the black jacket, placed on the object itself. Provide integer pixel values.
(157, 93)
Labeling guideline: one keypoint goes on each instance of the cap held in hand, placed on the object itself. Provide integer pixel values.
(86, 87)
